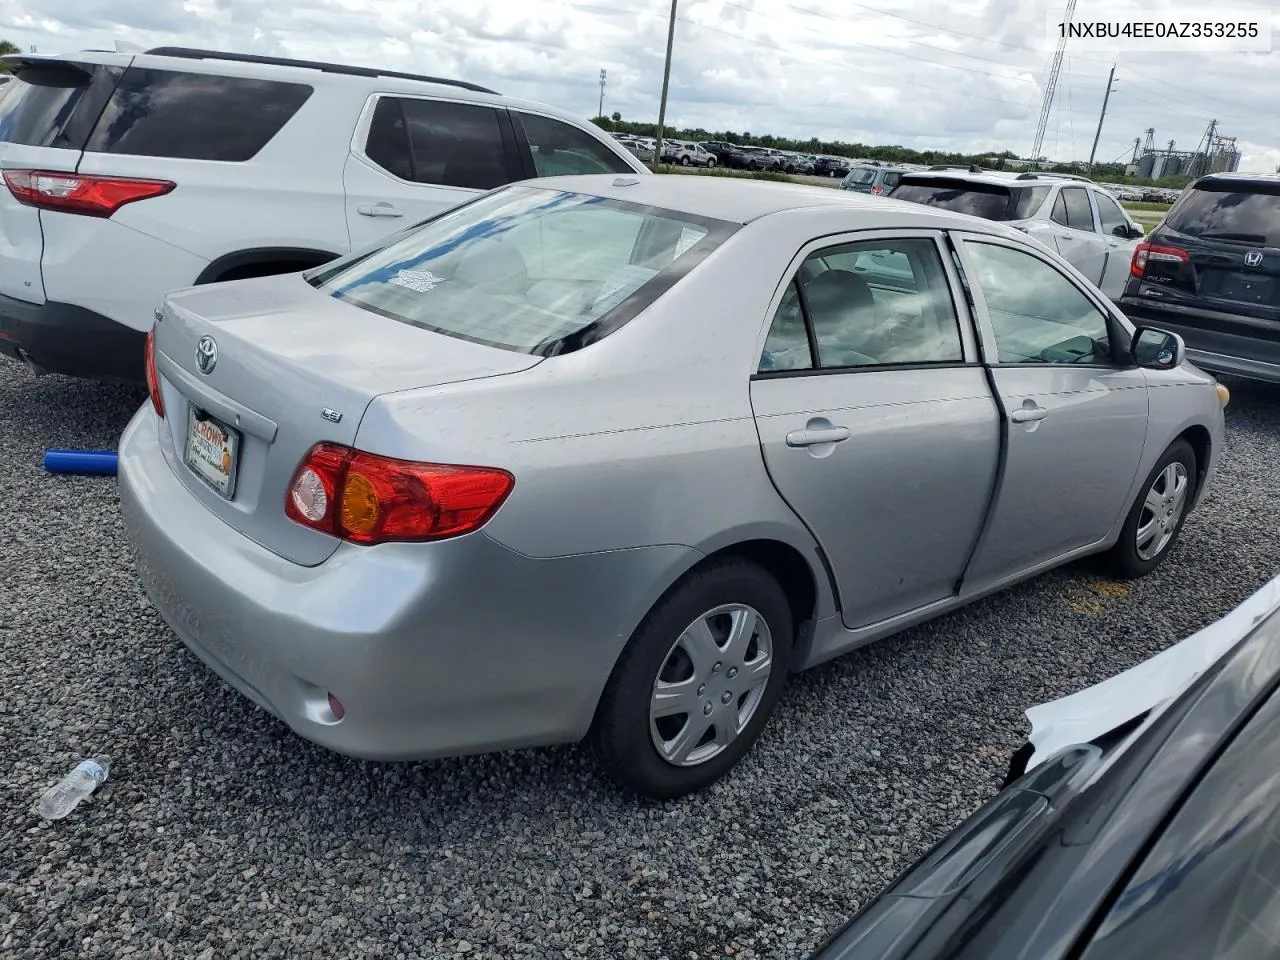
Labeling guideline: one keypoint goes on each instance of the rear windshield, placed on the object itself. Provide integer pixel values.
(42, 106)
(533, 270)
(861, 175)
(1228, 211)
(989, 201)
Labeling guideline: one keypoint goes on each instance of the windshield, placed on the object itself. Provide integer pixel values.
(861, 175)
(1216, 211)
(533, 270)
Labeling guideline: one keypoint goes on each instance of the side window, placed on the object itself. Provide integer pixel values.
(1110, 214)
(891, 180)
(194, 116)
(874, 303)
(1079, 213)
(560, 149)
(434, 141)
(1037, 314)
(787, 347)
(1059, 214)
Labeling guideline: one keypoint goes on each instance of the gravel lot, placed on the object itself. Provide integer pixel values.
(221, 835)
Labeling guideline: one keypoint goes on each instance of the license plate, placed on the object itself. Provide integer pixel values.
(212, 451)
(1246, 288)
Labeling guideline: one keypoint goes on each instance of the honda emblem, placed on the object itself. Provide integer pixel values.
(1253, 258)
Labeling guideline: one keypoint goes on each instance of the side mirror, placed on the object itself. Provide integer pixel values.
(1154, 349)
(1130, 232)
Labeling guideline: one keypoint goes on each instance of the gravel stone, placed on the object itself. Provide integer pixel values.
(220, 834)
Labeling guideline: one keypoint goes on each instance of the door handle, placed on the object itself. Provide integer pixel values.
(813, 436)
(1028, 414)
(380, 210)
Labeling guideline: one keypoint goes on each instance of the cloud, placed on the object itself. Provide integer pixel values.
(953, 74)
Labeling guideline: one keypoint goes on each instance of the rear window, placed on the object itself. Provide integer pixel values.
(53, 104)
(533, 270)
(194, 116)
(861, 175)
(1229, 211)
(988, 201)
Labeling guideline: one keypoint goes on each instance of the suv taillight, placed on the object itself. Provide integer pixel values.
(153, 380)
(92, 196)
(1145, 252)
(368, 499)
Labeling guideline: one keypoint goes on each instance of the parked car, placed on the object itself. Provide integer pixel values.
(1069, 214)
(1211, 271)
(687, 154)
(729, 155)
(484, 485)
(865, 178)
(757, 158)
(831, 166)
(796, 163)
(638, 146)
(1147, 823)
(127, 176)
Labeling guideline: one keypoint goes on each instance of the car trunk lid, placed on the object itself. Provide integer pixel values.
(277, 367)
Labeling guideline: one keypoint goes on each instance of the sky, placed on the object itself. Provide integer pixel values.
(963, 75)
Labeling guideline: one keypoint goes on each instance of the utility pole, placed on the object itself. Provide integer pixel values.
(603, 75)
(666, 79)
(1105, 97)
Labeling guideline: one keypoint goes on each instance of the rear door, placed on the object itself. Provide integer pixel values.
(876, 421)
(1116, 227)
(414, 157)
(1076, 232)
(46, 114)
(1075, 415)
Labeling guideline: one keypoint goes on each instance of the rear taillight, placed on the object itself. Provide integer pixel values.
(153, 379)
(368, 499)
(877, 190)
(91, 196)
(1145, 252)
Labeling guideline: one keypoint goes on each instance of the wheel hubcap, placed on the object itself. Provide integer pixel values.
(710, 684)
(1161, 510)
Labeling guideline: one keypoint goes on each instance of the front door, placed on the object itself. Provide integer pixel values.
(876, 422)
(1076, 418)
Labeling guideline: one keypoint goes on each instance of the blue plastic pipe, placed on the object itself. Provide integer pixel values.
(98, 463)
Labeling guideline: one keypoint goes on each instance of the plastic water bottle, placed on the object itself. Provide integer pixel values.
(65, 795)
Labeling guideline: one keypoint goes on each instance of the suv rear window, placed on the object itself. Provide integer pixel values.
(861, 175)
(1248, 213)
(194, 116)
(533, 270)
(53, 104)
(986, 200)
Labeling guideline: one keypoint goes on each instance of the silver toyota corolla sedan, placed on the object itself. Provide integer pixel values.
(608, 458)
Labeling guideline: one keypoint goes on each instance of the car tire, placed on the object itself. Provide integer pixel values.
(643, 754)
(710, 164)
(1156, 518)
(684, 161)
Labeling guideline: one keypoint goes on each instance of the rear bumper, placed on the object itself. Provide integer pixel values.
(1217, 342)
(64, 338)
(461, 646)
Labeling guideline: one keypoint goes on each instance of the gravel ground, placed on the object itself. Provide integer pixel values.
(221, 835)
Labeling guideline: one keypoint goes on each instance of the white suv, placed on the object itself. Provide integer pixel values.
(1069, 214)
(127, 176)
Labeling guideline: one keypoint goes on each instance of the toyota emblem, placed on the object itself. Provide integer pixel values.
(1253, 258)
(206, 355)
